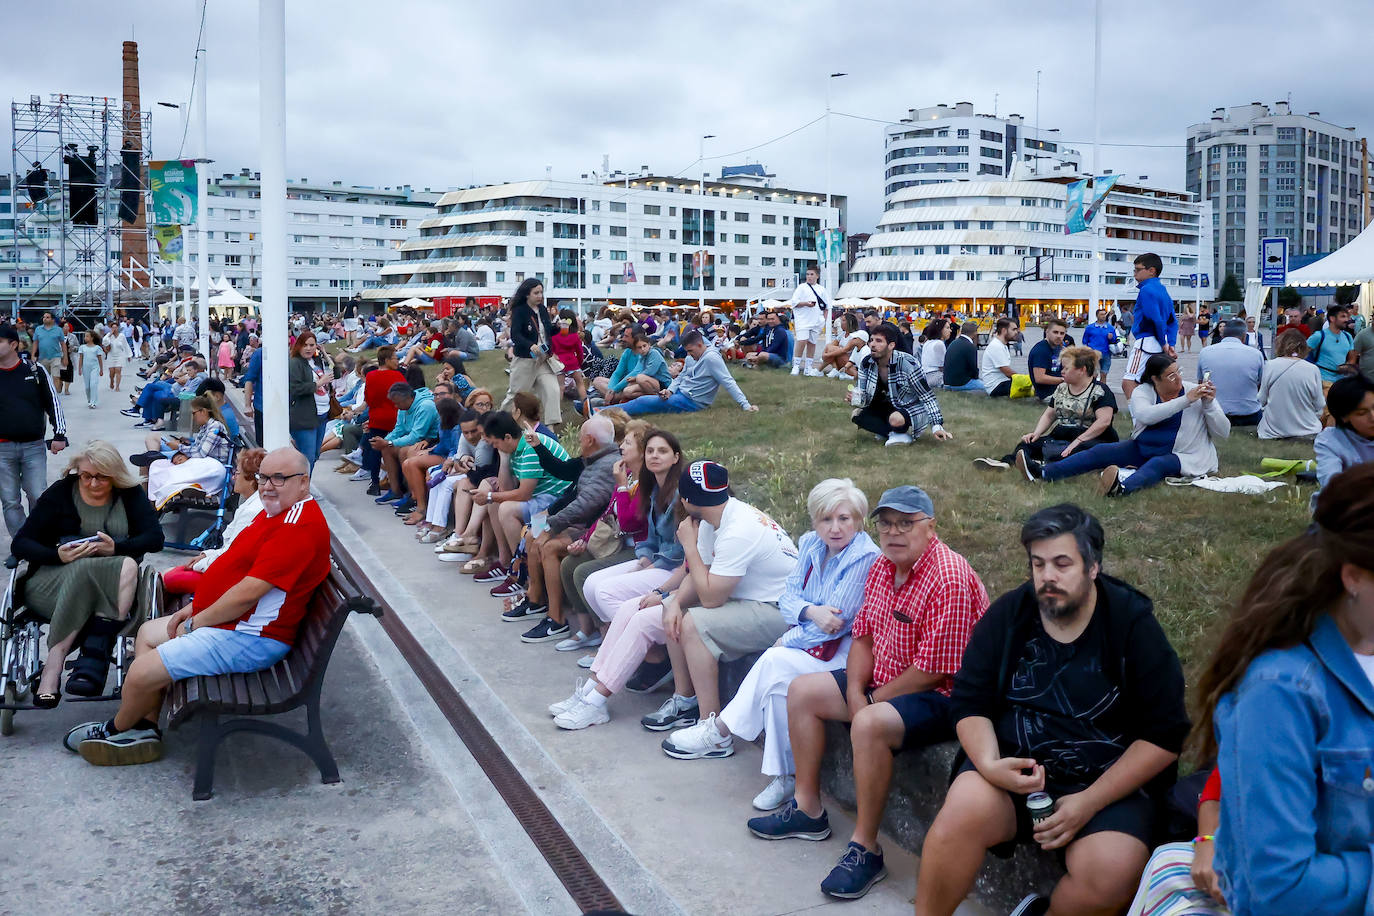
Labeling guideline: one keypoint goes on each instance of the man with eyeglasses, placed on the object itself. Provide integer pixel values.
(1155, 326)
(921, 601)
(30, 404)
(1069, 687)
(243, 618)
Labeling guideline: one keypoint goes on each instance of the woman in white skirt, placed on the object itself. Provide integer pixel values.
(117, 355)
(822, 596)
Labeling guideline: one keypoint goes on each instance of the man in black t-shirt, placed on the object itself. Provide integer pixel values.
(1043, 362)
(961, 360)
(1069, 687)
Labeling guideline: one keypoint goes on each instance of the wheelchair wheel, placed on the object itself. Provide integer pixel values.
(7, 715)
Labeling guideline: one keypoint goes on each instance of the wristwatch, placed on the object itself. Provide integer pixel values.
(661, 593)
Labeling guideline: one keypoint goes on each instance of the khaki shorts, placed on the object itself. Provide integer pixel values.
(738, 628)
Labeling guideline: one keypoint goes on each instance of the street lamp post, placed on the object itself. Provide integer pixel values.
(829, 276)
(701, 224)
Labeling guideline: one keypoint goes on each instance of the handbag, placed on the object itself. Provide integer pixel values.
(335, 408)
(606, 538)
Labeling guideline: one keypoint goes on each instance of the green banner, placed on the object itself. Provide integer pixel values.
(170, 242)
(173, 184)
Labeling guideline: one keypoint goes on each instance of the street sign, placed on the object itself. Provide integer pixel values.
(1274, 261)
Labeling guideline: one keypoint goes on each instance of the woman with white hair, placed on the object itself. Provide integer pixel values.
(83, 542)
(821, 598)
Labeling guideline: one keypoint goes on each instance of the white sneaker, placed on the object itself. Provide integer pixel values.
(580, 641)
(355, 456)
(796, 370)
(360, 474)
(776, 794)
(453, 557)
(812, 373)
(699, 741)
(582, 715)
(898, 439)
(562, 706)
(587, 661)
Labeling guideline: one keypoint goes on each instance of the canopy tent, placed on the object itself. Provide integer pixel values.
(851, 302)
(413, 303)
(232, 298)
(880, 304)
(1350, 264)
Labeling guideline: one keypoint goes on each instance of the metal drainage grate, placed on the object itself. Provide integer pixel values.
(583, 884)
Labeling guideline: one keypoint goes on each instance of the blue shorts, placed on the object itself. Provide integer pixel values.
(538, 503)
(211, 651)
(777, 362)
(1104, 362)
(926, 716)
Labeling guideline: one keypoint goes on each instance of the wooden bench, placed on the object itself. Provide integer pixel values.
(295, 681)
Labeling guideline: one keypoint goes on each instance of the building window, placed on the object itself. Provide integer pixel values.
(538, 252)
(769, 262)
(961, 224)
(652, 233)
(617, 206)
(596, 279)
(652, 209)
(769, 218)
(741, 260)
(596, 205)
(741, 217)
(946, 275)
(519, 251)
(500, 276)
(926, 275)
(741, 239)
(395, 222)
(619, 231)
(653, 280)
(770, 240)
(741, 282)
(619, 255)
(942, 249)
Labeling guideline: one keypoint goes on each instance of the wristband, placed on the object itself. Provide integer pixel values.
(868, 694)
(661, 593)
(1206, 837)
(937, 428)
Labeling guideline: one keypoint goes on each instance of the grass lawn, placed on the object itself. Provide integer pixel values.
(1191, 550)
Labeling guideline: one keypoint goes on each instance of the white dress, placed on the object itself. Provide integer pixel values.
(117, 353)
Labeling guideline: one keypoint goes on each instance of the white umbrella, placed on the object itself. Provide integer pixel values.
(850, 302)
(880, 303)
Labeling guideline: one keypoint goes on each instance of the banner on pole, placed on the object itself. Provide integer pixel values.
(173, 183)
(629, 271)
(698, 264)
(830, 246)
(170, 242)
(1081, 210)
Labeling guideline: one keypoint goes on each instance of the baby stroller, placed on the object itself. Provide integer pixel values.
(102, 643)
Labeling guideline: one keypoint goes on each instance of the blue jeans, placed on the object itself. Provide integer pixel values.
(374, 341)
(424, 359)
(973, 384)
(652, 403)
(22, 465)
(1151, 467)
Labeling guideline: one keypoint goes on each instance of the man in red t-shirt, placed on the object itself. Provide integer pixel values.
(381, 413)
(244, 616)
(1293, 322)
(921, 600)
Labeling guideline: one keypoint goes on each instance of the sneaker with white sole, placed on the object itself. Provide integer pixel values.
(453, 557)
(579, 640)
(583, 714)
(545, 630)
(497, 573)
(991, 463)
(587, 661)
(676, 712)
(355, 456)
(796, 370)
(579, 690)
(131, 746)
(524, 610)
(776, 794)
(700, 741)
(812, 373)
(898, 439)
(360, 474)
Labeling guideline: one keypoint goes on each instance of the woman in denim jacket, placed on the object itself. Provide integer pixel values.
(1288, 707)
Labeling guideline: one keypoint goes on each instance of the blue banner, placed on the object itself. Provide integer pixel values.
(1081, 211)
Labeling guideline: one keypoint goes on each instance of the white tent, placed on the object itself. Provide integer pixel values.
(850, 302)
(413, 303)
(1352, 263)
(231, 297)
(880, 304)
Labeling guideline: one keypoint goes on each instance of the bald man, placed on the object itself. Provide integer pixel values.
(243, 617)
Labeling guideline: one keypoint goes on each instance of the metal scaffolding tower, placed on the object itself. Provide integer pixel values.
(81, 268)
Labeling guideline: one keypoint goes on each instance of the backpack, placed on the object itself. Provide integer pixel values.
(1314, 355)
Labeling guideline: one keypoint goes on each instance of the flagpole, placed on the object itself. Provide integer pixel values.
(272, 134)
(1097, 139)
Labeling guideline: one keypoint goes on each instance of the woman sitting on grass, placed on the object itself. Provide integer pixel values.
(1079, 416)
(1351, 441)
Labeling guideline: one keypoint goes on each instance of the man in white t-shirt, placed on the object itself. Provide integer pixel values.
(995, 369)
(738, 560)
(809, 303)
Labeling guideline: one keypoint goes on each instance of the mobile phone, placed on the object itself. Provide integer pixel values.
(1207, 377)
(92, 539)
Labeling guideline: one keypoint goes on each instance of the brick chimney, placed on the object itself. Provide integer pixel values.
(133, 241)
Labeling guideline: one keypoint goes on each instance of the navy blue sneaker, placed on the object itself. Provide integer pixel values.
(857, 871)
(387, 497)
(790, 822)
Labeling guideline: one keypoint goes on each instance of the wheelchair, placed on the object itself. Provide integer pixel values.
(23, 652)
(194, 521)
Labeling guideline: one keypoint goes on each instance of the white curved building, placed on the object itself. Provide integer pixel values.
(955, 243)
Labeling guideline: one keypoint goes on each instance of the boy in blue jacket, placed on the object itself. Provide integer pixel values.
(1155, 328)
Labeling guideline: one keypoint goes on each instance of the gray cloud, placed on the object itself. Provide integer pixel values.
(439, 94)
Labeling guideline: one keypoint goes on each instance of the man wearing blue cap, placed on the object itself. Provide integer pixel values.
(921, 600)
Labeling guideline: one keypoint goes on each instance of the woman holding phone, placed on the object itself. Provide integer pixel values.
(83, 542)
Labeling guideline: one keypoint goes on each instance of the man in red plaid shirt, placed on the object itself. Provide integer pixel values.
(921, 600)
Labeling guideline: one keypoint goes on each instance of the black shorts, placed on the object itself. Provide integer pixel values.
(1133, 815)
(926, 716)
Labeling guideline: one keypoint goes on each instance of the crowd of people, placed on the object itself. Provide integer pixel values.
(646, 569)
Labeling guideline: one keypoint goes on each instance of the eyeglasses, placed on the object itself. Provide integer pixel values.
(87, 477)
(276, 480)
(901, 525)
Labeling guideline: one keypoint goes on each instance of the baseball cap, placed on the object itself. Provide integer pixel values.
(7, 332)
(907, 499)
(704, 483)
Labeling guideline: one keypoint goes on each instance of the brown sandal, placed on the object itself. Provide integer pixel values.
(475, 566)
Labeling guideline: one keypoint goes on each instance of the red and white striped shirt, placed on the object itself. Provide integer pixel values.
(926, 623)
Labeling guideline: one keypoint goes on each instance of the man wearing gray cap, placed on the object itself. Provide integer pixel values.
(921, 600)
(1235, 370)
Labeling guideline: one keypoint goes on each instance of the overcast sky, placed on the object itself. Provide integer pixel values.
(444, 94)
